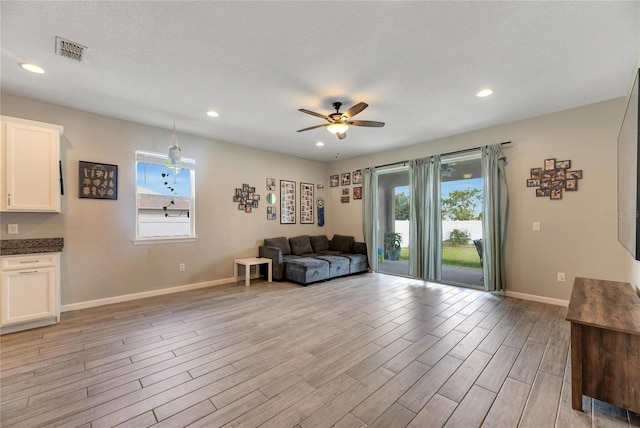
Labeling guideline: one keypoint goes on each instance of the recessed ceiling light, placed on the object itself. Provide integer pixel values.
(485, 93)
(319, 144)
(212, 113)
(32, 68)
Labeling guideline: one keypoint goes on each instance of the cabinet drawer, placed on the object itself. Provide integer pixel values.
(28, 262)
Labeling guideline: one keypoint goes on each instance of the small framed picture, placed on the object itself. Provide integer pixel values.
(236, 198)
(536, 173)
(357, 176)
(245, 188)
(344, 199)
(571, 184)
(565, 164)
(549, 175)
(345, 179)
(242, 207)
(549, 164)
(556, 193)
(543, 192)
(252, 190)
(545, 184)
(320, 186)
(345, 191)
(271, 213)
(357, 193)
(574, 174)
(531, 182)
(561, 174)
(247, 208)
(256, 197)
(557, 184)
(271, 184)
(334, 180)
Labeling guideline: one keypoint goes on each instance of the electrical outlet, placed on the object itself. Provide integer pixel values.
(182, 267)
(536, 226)
(561, 277)
(12, 229)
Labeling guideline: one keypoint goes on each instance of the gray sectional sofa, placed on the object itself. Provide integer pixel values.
(306, 259)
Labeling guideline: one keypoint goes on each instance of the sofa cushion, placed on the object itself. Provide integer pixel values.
(300, 245)
(320, 243)
(341, 243)
(279, 242)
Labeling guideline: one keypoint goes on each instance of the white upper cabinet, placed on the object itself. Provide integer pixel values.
(29, 166)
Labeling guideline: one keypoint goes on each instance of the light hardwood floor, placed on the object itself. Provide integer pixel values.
(368, 350)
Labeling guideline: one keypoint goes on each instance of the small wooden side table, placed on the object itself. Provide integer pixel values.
(247, 263)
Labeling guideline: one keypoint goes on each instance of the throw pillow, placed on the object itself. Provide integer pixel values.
(300, 245)
(342, 243)
(279, 242)
(320, 243)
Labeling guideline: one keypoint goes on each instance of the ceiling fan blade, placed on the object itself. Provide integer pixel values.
(369, 123)
(314, 127)
(313, 113)
(342, 135)
(355, 110)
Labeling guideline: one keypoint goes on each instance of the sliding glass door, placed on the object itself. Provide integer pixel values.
(461, 190)
(393, 231)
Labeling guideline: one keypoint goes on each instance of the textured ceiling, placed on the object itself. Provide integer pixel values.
(417, 64)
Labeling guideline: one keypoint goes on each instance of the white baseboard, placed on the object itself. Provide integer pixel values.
(536, 298)
(142, 295)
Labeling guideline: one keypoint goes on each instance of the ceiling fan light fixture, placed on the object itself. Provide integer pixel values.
(319, 144)
(338, 128)
(212, 113)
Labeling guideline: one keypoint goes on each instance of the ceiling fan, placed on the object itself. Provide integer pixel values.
(339, 122)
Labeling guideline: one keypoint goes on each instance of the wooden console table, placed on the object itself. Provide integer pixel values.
(605, 343)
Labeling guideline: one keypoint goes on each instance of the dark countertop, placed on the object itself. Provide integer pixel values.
(11, 247)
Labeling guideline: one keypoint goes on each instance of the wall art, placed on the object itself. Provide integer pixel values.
(553, 178)
(357, 193)
(97, 180)
(344, 199)
(271, 184)
(334, 180)
(287, 202)
(357, 176)
(345, 179)
(306, 203)
(246, 198)
(271, 213)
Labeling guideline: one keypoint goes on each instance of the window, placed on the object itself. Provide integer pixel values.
(157, 217)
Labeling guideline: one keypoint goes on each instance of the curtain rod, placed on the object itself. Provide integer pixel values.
(457, 152)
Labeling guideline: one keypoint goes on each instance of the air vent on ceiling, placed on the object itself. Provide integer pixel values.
(69, 49)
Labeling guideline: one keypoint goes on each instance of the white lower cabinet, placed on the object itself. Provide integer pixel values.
(29, 291)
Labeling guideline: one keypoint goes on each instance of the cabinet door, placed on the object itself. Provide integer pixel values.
(31, 169)
(27, 295)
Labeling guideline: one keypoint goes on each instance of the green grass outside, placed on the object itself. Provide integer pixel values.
(466, 256)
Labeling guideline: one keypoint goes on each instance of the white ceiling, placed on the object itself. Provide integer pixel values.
(417, 64)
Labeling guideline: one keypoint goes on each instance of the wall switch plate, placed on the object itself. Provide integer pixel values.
(561, 277)
(536, 225)
(182, 267)
(12, 229)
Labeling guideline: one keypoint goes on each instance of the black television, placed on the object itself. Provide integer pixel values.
(628, 174)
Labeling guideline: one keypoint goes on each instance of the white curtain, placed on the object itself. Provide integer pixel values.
(495, 217)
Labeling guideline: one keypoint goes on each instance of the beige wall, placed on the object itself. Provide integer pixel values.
(576, 236)
(99, 259)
